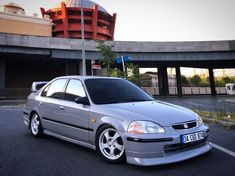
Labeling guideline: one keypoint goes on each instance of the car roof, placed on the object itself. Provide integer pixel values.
(86, 77)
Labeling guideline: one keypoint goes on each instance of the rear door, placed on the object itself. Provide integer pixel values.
(74, 117)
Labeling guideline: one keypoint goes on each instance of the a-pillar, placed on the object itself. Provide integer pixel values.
(163, 81)
(179, 82)
(212, 82)
(2, 73)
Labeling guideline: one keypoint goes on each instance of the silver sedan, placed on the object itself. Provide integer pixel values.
(117, 119)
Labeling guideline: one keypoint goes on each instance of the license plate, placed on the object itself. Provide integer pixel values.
(187, 138)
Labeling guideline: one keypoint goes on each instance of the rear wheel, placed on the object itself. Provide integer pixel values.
(35, 126)
(109, 144)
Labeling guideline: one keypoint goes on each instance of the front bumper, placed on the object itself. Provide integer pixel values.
(157, 149)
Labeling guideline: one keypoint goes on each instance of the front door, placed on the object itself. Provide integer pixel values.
(74, 117)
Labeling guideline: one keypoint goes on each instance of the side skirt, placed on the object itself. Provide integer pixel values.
(69, 139)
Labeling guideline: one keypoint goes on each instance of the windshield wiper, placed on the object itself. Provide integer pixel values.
(109, 102)
(136, 100)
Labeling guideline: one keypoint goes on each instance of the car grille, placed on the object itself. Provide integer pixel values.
(185, 125)
(181, 147)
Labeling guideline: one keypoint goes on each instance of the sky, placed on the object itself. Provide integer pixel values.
(161, 20)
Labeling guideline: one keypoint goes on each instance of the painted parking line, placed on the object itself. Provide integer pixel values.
(229, 152)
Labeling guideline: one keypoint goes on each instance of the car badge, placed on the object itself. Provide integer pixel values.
(186, 125)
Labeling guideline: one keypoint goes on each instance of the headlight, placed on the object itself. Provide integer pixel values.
(141, 127)
(200, 121)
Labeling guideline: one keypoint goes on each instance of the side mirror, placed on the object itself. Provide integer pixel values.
(37, 86)
(82, 100)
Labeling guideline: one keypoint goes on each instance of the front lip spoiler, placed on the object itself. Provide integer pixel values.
(148, 140)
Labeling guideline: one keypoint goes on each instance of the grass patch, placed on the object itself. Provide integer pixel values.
(224, 116)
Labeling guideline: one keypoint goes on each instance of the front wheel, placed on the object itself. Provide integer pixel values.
(35, 126)
(109, 145)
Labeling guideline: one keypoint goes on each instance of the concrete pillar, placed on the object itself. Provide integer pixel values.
(163, 81)
(212, 82)
(79, 67)
(179, 83)
(2, 73)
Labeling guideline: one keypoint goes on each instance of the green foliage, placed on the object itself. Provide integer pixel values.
(133, 73)
(106, 55)
(226, 79)
(116, 73)
(225, 116)
(204, 82)
(195, 80)
(220, 82)
(185, 82)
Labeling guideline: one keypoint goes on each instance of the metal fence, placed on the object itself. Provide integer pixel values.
(187, 90)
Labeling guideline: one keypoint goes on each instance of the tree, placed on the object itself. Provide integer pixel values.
(133, 73)
(195, 80)
(226, 79)
(106, 54)
(185, 81)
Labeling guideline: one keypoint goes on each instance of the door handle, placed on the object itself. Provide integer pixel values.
(62, 107)
(40, 103)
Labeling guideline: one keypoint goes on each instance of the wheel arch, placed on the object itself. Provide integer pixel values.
(32, 113)
(109, 122)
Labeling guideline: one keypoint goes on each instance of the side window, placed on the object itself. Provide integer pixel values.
(55, 89)
(74, 90)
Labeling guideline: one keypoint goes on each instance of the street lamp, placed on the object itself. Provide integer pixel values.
(83, 40)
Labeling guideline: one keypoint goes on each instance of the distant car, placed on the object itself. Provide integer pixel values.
(230, 88)
(117, 119)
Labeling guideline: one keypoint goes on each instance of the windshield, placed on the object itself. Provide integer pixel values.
(106, 91)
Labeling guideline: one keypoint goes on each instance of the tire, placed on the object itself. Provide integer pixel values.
(36, 126)
(109, 145)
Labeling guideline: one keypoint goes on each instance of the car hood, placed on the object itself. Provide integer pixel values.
(162, 113)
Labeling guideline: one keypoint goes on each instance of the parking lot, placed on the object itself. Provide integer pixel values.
(23, 155)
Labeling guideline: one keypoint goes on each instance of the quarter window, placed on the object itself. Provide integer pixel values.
(74, 90)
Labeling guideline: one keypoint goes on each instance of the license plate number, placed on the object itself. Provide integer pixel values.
(187, 138)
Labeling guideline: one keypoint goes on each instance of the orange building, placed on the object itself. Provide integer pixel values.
(98, 23)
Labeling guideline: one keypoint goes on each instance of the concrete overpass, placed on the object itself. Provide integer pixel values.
(24, 59)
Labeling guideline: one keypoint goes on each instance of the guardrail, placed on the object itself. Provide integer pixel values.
(187, 90)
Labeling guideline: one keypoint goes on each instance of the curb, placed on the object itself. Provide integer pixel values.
(15, 106)
(226, 124)
(228, 101)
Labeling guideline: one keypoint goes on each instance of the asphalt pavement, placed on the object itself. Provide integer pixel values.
(23, 155)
